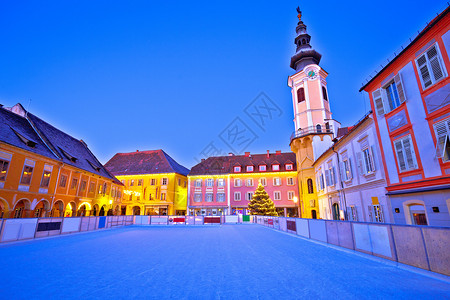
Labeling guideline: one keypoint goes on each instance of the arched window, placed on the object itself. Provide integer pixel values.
(309, 182)
(303, 41)
(324, 92)
(319, 128)
(300, 95)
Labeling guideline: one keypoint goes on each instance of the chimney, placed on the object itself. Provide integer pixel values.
(278, 152)
(230, 154)
(247, 154)
(137, 150)
(268, 154)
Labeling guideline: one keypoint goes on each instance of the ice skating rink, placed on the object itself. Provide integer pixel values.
(203, 262)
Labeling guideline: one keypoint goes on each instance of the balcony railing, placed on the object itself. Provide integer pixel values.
(318, 129)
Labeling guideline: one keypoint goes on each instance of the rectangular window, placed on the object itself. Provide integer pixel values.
(277, 181)
(249, 182)
(83, 186)
(237, 196)
(262, 168)
(5, 159)
(237, 182)
(263, 181)
(91, 187)
(184, 185)
(197, 197)
(442, 132)
(430, 66)
(322, 182)
(164, 181)
(209, 182)
(346, 170)
(276, 167)
(163, 196)
(220, 182)
(329, 176)
(74, 184)
(376, 214)
(27, 172)
(63, 180)
(289, 167)
(198, 183)
(366, 161)
(249, 168)
(179, 181)
(45, 181)
(237, 169)
(153, 181)
(139, 182)
(249, 196)
(352, 213)
(392, 96)
(209, 197)
(290, 181)
(220, 197)
(132, 182)
(290, 195)
(130, 198)
(406, 156)
(276, 195)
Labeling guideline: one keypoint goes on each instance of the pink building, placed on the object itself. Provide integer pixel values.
(225, 184)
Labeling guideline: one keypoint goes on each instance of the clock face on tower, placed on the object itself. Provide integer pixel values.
(311, 73)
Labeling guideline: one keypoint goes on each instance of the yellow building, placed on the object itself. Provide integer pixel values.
(45, 172)
(155, 184)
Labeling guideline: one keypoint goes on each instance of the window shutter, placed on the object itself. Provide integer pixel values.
(436, 69)
(342, 171)
(441, 130)
(400, 155)
(333, 176)
(409, 152)
(372, 154)
(350, 175)
(423, 69)
(399, 84)
(360, 163)
(378, 100)
(327, 177)
(370, 210)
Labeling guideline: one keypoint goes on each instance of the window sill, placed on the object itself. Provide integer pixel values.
(395, 110)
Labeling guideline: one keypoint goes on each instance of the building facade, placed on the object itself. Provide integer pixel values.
(226, 184)
(350, 176)
(45, 172)
(155, 184)
(313, 124)
(410, 98)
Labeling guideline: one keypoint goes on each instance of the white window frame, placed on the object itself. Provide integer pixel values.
(289, 167)
(262, 168)
(30, 164)
(198, 196)
(277, 196)
(209, 197)
(6, 158)
(210, 182)
(48, 169)
(249, 182)
(237, 182)
(249, 196)
(250, 168)
(408, 166)
(346, 170)
(276, 181)
(429, 68)
(221, 182)
(237, 169)
(237, 196)
(290, 181)
(276, 167)
(164, 181)
(198, 182)
(263, 181)
(163, 196)
(290, 195)
(442, 134)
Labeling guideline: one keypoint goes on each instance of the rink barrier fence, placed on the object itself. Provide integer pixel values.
(424, 247)
(29, 228)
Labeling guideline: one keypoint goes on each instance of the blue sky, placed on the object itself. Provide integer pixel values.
(128, 75)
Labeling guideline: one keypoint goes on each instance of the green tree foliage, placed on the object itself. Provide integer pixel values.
(261, 204)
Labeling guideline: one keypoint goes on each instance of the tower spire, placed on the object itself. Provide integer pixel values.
(304, 54)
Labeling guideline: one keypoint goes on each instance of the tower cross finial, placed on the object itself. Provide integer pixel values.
(299, 16)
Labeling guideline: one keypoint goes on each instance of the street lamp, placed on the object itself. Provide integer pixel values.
(298, 207)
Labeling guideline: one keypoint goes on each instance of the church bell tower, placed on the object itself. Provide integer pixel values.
(314, 128)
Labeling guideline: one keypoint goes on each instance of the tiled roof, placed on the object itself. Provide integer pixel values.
(144, 162)
(219, 165)
(16, 129)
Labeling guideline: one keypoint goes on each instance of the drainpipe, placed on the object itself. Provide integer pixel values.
(56, 186)
(342, 185)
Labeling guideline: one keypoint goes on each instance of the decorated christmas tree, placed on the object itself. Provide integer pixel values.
(261, 204)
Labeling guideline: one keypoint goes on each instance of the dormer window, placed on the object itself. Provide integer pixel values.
(93, 166)
(275, 167)
(24, 140)
(262, 168)
(249, 168)
(289, 167)
(68, 156)
(237, 169)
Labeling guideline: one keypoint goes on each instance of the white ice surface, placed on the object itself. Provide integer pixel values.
(204, 262)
